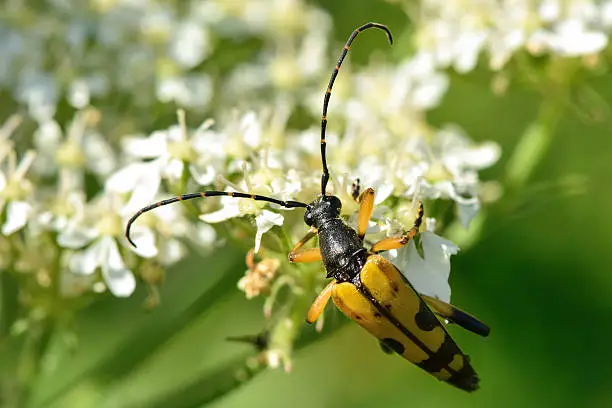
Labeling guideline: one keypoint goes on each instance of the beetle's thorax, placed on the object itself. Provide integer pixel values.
(321, 211)
(341, 249)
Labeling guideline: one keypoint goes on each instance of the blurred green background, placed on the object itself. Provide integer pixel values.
(539, 276)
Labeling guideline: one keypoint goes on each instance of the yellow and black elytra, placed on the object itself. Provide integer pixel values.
(365, 286)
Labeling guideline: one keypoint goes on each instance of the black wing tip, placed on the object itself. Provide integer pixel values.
(469, 383)
(470, 323)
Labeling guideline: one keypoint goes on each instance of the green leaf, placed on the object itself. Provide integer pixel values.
(215, 384)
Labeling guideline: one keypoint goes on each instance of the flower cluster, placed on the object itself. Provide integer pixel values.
(96, 144)
(455, 33)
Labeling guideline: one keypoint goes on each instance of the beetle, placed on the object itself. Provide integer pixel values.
(368, 288)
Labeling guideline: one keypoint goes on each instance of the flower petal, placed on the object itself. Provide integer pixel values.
(120, 280)
(144, 239)
(203, 175)
(125, 179)
(467, 209)
(86, 261)
(146, 147)
(172, 251)
(265, 221)
(205, 235)
(76, 236)
(17, 213)
(229, 210)
(141, 179)
(173, 169)
(428, 275)
(251, 129)
(99, 153)
(383, 191)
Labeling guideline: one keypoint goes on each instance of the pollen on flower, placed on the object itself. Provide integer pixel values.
(258, 276)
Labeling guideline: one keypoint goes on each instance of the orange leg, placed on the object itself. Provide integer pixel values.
(400, 240)
(319, 303)
(297, 254)
(366, 201)
(305, 255)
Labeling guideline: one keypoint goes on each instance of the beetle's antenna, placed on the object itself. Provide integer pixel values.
(347, 46)
(205, 194)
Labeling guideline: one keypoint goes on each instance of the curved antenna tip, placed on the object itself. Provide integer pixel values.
(127, 236)
(384, 28)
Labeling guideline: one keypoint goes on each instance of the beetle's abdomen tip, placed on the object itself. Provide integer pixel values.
(467, 383)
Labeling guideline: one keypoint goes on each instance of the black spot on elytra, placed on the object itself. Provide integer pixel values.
(394, 287)
(442, 357)
(377, 315)
(425, 319)
(385, 348)
(394, 345)
(357, 317)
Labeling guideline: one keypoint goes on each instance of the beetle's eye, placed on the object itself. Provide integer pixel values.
(308, 218)
(337, 203)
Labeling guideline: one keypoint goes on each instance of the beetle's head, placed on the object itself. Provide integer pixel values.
(321, 210)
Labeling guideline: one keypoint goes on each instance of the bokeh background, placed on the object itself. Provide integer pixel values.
(538, 271)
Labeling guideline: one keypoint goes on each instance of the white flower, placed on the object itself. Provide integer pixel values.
(40, 92)
(140, 180)
(264, 180)
(83, 88)
(167, 153)
(429, 275)
(450, 169)
(93, 234)
(265, 221)
(188, 90)
(237, 207)
(79, 147)
(15, 191)
(190, 44)
(103, 253)
(456, 32)
(573, 39)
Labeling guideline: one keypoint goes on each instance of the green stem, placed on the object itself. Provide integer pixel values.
(533, 145)
(34, 349)
(9, 304)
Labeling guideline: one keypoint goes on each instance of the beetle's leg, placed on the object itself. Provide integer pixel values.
(457, 316)
(355, 189)
(386, 244)
(366, 206)
(319, 303)
(305, 255)
(297, 254)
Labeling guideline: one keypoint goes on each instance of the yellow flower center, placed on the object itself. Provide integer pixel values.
(437, 172)
(181, 150)
(17, 190)
(70, 155)
(110, 224)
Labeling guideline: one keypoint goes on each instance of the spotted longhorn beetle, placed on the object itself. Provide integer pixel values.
(365, 286)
